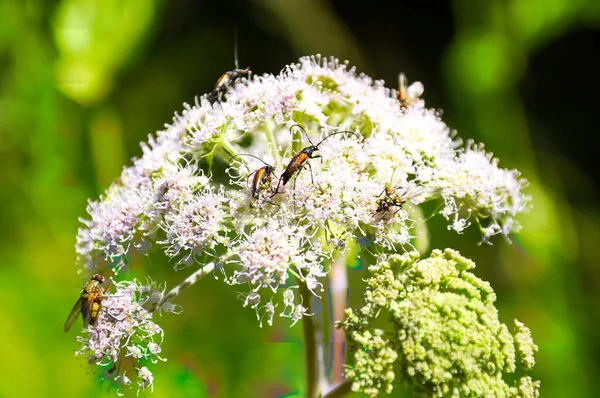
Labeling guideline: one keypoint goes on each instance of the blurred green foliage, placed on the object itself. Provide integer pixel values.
(83, 81)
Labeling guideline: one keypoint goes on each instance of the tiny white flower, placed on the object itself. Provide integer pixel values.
(154, 348)
(288, 302)
(268, 312)
(252, 300)
(299, 312)
(145, 378)
(134, 351)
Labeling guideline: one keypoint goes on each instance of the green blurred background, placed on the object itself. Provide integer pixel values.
(82, 82)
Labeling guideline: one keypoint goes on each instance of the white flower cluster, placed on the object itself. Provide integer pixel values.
(125, 340)
(357, 155)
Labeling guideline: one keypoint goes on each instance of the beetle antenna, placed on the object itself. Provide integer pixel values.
(247, 154)
(235, 49)
(337, 132)
(304, 131)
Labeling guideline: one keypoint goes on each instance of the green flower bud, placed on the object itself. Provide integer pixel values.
(445, 337)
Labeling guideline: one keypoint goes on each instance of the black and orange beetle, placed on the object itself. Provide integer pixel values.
(260, 175)
(300, 159)
(228, 78)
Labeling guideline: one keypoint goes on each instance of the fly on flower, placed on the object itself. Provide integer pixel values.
(408, 94)
(228, 78)
(300, 159)
(261, 175)
(393, 199)
(89, 302)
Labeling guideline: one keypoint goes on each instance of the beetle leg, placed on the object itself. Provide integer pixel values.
(268, 201)
(317, 156)
(311, 178)
(296, 177)
(277, 188)
(250, 175)
(311, 174)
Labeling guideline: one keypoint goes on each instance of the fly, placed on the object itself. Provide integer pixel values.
(89, 302)
(408, 94)
(392, 199)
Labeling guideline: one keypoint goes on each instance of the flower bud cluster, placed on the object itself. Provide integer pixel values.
(444, 338)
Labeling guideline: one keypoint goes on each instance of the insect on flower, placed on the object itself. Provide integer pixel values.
(228, 78)
(89, 302)
(408, 94)
(261, 175)
(393, 199)
(300, 159)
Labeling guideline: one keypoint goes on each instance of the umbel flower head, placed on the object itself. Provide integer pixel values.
(187, 195)
(275, 180)
(445, 337)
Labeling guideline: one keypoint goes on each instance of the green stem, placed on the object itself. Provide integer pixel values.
(226, 145)
(310, 345)
(273, 144)
(341, 390)
(189, 281)
(322, 380)
(295, 274)
(338, 284)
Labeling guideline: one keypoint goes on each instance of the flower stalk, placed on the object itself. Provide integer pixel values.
(311, 355)
(338, 283)
(189, 281)
(341, 390)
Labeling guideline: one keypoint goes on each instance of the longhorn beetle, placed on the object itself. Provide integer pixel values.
(300, 159)
(228, 78)
(259, 174)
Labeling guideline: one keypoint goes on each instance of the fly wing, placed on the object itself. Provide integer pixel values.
(412, 193)
(73, 314)
(86, 311)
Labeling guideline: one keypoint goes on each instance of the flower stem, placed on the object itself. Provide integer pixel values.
(342, 389)
(226, 145)
(322, 380)
(338, 280)
(189, 281)
(310, 345)
(273, 144)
